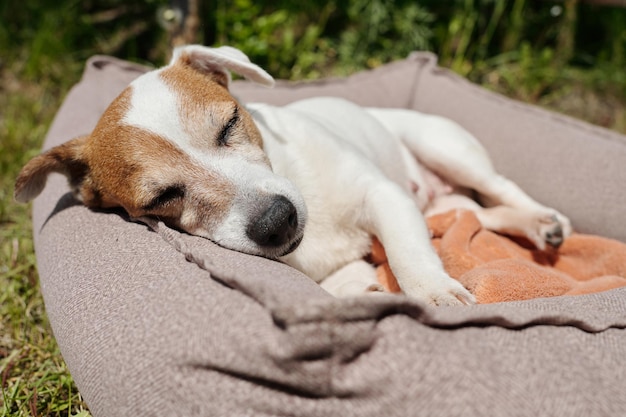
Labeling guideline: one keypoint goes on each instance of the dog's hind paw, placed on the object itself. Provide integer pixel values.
(551, 229)
(552, 232)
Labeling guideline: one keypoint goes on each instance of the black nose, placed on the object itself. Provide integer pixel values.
(276, 226)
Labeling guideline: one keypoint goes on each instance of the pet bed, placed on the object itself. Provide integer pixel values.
(155, 322)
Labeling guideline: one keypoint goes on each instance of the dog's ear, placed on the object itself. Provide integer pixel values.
(219, 61)
(67, 159)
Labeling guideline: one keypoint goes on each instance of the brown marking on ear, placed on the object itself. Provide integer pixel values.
(67, 159)
(215, 71)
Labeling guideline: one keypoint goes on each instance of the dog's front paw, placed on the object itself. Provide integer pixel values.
(454, 296)
(447, 292)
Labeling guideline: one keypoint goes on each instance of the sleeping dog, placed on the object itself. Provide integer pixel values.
(310, 183)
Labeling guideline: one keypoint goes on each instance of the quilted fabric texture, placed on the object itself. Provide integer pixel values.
(152, 322)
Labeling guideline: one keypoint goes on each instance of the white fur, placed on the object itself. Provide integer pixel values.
(155, 108)
(253, 183)
(357, 170)
(343, 158)
(342, 161)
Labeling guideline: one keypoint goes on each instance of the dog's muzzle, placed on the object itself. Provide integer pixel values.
(276, 226)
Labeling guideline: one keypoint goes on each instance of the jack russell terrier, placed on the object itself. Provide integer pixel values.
(310, 183)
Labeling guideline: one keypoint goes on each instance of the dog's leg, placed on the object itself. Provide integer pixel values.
(455, 154)
(513, 212)
(392, 216)
(539, 229)
(504, 219)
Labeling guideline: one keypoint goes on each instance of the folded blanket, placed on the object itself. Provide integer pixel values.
(497, 268)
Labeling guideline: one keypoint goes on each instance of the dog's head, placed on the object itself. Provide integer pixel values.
(175, 145)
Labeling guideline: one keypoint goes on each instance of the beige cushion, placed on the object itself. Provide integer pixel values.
(159, 323)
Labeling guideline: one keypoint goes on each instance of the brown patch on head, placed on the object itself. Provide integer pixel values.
(215, 71)
(148, 175)
(128, 165)
(120, 165)
(206, 108)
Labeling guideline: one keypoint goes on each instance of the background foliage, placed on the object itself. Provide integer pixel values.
(565, 55)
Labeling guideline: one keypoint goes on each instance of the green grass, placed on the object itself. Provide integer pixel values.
(34, 379)
(47, 46)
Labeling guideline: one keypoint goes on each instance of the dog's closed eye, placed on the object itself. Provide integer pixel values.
(222, 137)
(165, 196)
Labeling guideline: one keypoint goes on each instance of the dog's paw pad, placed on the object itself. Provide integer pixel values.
(465, 297)
(552, 230)
(552, 234)
(456, 296)
(375, 288)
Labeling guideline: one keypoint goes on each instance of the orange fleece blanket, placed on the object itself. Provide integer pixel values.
(497, 268)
